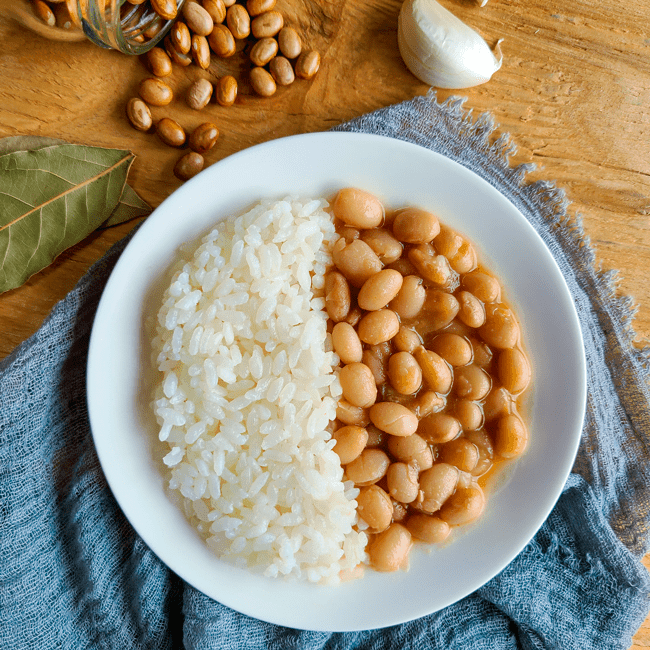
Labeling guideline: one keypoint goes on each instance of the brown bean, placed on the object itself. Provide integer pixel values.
(307, 64)
(204, 137)
(356, 261)
(200, 51)
(427, 402)
(354, 316)
(188, 165)
(464, 506)
(197, 18)
(262, 81)
(198, 94)
(410, 298)
(510, 436)
(435, 371)
(483, 286)
(497, 403)
(350, 414)
(181, 38)
(256, 7)
(460, 453)
(375, 507)
(501, 329)
(378, 326)
(155, 92)
(434, 269)
(393, 418)
(368, 468)
(139, 114)
(402, 481)
(439, 428)
(387, 248)
(238, 21)
(44, 12)
(337, 296)
(482, 352)
(226, 90)
(375, 436)
(267, 24)
(216, 9)
(513, 370)
(471, 382)
(158, 62)
(358, 208)
(281, 71)
(358, 384)
(350, 442)
(378, 290)
(404, 373)
(454, 349)
(346, 343)
(222, 41)
(263, 51)
(166, 9)
(403, 266)
(412, 449)
(347, 232)
(377, 363)
(406, 339)
(437, 484)
(432, 530)
(471, 310)
(170, 132)
(469, 414)
(175, 55)
(465, 259)
(290, 43)
(415, 226)
(441, 308)
(389, 550)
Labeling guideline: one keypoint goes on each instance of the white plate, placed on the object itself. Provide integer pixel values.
(119, 379)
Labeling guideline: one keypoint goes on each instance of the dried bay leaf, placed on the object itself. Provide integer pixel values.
(52, 197)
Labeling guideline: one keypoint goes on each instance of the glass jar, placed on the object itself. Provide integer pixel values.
(116, 24)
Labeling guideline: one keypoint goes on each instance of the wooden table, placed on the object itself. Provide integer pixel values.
(573, 92)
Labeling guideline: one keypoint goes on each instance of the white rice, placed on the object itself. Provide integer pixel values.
(249, 387)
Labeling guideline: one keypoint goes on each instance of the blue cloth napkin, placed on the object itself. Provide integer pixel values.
(74, 575)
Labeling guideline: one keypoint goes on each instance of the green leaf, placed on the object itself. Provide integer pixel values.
(50, 199)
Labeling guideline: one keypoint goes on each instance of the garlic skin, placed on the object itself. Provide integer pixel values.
(441, 50)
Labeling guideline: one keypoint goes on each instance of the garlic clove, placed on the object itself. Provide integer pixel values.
(440, 49)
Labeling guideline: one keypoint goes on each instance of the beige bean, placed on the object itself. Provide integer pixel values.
(437, 484)
(454, 349)
(439, 427)
(404, 373)
(354, 315)
(170, 132)
(358, 384)
(377, 363)
(357, 208)
(199, 94)
(400, 511)
(432, 530)
(348, 232)
(464, 506)
(410, 298)
(256, 7)
(375, 507)
(189, 165)
(465, 259)
(471, 310)
(216, 9)
(238, 21)
(402, 480)
(403, 266)
(498, 402)
(166, 9)
(513, 370)
(440, 308)
(389, 550)
(262, 81)
(434, 269)
(483, 286)
(181, 38)
(263, 51)
(415, 226)
(387, 248)
(469, 414)
(368, 468)
(406, 339)
(155, 92)
(501, 329)
(337, 296)
(447, 242)
(204, 137)
(197, 18)
(350, 442)
(281, 71)
(200, 50)
(435, 370)
(378, 326)
(350, 414)
(482, 353)
(356, 261)
(158, 62)
(393, 418)
(346, 343)
(412, 449)
(428, 402)
(226, 90)
(510, 436)
(175, 55)
(152, 30)
(307, 64)
(290, 43)
(376, 437)
(268, 24)
(139, 114)
(471, 382)
(460, 453)
(485, 451)
(222, 41)
(378, 290)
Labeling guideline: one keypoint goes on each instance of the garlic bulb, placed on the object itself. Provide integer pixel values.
(440, 49)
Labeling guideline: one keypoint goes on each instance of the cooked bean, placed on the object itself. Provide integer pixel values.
(469, 414)
(350, 414)
(437, 484)
(428, 402)
(412, 449)
(432, 530)
(465, 259)
(439, 428)
(441, 308)
(387, 248)
(402, 482)
(337, 296)
(497, 403)
(155, 92)
(406, 339)
(181, 38)
(238, 21)
(447, 241)
(510, 436)
(354, 316)
(485, 451)
(200, 51)
(346, 343)
(261, 80)
(501, 329)
(204, 137)
(188, 165)
(415, 226)
(307, 64)
(378, 290)
(435, 370)
(393, 418)
(176, 55)
(377, 363)
(482, 353)
(356, 261)
(404, 373)
(461, 453)
(389, 550)
(403, 266)
(513, 370)
(348, 232)
(464, 506)
(375, 507)
(290, 43)
(256, 7)
(222, 41)
(400, 511)
(410, 298)
(471, 382)
(471, 310)
(368, 468)
(139, 114)
(199, 94)
(358, 384)
(378, 326)
(158, 61)
(263, 51)
(483, 286)
(350, 442)
(375, 436)
(433, 269)
(216, 9)
(170, 132)
(454, 349)
(226, 90)
(197, 18)
(281, 71)
(358, 208)
(268, 24)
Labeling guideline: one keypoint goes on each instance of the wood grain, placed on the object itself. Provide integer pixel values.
(573, 93)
